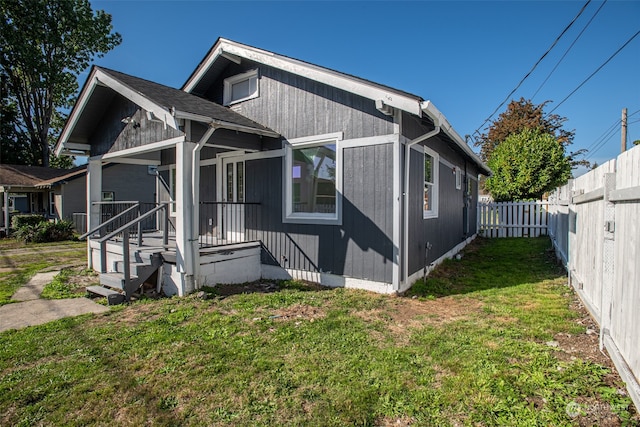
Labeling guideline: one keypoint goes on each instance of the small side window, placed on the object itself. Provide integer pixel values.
(458, 173)
(241, 87)
(431, 170)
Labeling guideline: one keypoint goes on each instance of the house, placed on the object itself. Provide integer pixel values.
(61, 193)
(271, 167)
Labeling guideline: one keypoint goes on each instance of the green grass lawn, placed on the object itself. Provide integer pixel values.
(19, 262)
(469, 347)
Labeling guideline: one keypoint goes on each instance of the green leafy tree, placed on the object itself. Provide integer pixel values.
(45, 45)
(636, 142)
(524, 114)
(526, 165)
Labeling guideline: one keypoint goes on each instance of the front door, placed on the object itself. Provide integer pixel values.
(233, 198)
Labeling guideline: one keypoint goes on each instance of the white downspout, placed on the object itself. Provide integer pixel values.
(194, 227)
(407, 156)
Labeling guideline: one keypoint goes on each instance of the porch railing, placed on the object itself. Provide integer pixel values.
(146, 217)
(224, 223)
(124, 232)
(109, 210)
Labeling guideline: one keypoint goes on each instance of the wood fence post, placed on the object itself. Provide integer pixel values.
(608, 258)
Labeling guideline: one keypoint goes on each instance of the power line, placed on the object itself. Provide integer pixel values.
(595, 72)
(610, 130)
(534, 66)
(607, 135)
(568, 49)
(600, 146)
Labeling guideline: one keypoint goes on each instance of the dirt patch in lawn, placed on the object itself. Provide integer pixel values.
(411, 311)
(299, 312)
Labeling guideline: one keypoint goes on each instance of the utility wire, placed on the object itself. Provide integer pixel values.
(534, 67)
(613, 128)
(568, 49)
(594, 73)
(600, 146)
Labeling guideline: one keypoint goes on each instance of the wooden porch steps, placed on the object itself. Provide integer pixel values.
(114, 284)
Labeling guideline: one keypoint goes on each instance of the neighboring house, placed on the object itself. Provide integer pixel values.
(321, 175)
(61, 193)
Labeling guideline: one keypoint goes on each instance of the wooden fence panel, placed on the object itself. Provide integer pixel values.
(625, 292)
(595, 229)
(586, 236)
(513, 219)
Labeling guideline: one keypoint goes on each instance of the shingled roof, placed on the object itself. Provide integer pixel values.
(169, 97)
(34, 176)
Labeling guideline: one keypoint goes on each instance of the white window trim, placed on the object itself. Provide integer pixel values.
(288, 216)
(432, 213)
(230, 81)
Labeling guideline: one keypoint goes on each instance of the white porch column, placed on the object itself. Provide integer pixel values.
(187, 255)
(94, 194)
(6, 210)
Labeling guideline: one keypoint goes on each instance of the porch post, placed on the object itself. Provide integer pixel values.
(6, 211)
(187, 258)
(94, 194)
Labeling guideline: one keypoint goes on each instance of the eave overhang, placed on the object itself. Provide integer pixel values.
(432, 112)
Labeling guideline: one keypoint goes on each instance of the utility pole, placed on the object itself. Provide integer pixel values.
(623, 138)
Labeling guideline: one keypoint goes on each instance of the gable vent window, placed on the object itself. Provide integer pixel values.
(241, 87)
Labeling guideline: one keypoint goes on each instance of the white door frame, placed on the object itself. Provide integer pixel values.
(233, 231)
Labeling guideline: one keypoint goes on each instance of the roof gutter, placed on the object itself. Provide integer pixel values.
(437, 118)
(224, 125)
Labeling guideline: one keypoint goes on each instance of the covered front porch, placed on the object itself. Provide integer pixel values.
(136, 243)
(198, 150)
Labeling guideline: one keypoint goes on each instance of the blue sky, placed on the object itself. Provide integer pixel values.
(465, 56)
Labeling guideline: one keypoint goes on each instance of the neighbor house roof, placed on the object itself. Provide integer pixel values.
(34, 176)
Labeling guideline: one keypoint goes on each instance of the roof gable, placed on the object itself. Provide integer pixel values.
(225, 50)
(228, 50)
(163, 103)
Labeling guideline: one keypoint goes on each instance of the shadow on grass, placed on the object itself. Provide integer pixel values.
(262, 286)
(491, 264)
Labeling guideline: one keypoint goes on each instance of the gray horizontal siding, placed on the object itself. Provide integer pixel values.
(447, 230)
(360, 248)
(295, 106)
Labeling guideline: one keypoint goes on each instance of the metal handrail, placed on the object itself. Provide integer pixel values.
(125, 239)
(109, 221)
(133, 222)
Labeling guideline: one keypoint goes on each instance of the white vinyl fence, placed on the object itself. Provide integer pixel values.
(513, 219)
(594, 223)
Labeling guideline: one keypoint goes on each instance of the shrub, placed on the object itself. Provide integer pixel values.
(18, 221)
(45, 231)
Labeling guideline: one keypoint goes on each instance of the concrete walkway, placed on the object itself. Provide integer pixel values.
(35, 311)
